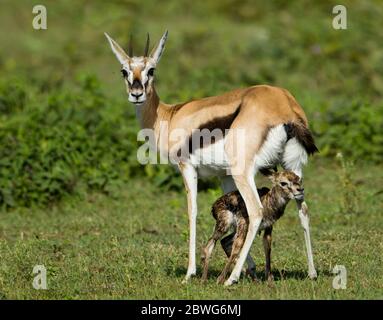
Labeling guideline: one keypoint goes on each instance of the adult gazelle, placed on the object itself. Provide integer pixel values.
(274, 130)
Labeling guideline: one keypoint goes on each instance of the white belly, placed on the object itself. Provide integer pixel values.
(211, 160)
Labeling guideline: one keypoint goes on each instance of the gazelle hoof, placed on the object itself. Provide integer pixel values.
(187, 278)
(251, 273)
(230, 282)
(313, 275)
(269, 277)
(270, 281)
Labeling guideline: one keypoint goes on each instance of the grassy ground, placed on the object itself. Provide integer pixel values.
(135, 246)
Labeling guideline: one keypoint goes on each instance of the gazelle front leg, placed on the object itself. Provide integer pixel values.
(248, 190)
(304, 217)
(190, 178)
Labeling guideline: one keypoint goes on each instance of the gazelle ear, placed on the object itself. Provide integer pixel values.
(157, 51)
(117, 50)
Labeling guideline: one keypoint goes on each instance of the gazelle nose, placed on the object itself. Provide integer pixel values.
(137, 95)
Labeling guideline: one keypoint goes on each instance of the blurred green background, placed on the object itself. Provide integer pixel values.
(66, 124)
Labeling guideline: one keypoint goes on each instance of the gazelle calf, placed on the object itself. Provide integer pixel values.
(230, 211)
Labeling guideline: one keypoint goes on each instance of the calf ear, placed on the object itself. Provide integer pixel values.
(120, 54)
(267, 171)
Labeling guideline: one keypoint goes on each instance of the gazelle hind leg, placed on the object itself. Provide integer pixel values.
(294, 158)
(228, 185)
(242, 144)
(304, 217)
(246, 187)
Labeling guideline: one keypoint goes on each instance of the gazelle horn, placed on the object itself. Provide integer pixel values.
(147, 45)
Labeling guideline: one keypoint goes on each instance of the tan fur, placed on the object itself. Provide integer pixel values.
(262, 107)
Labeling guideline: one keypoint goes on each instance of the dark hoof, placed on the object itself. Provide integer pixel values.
(251, 273)
(270, 280)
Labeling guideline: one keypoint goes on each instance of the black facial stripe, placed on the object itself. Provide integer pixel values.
(137, 84)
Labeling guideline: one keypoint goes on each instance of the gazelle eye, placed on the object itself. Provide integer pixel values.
(124, 73)
(283, 184)
(151, 72)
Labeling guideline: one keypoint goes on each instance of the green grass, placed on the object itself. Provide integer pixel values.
(134, 246)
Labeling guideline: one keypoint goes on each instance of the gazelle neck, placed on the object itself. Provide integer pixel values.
(278, 196)
(147, 113)
(152, 115)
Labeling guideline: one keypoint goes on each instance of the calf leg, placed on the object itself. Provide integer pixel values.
(227, 244)
(237, 245)
(219, 231)
(267, 247)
